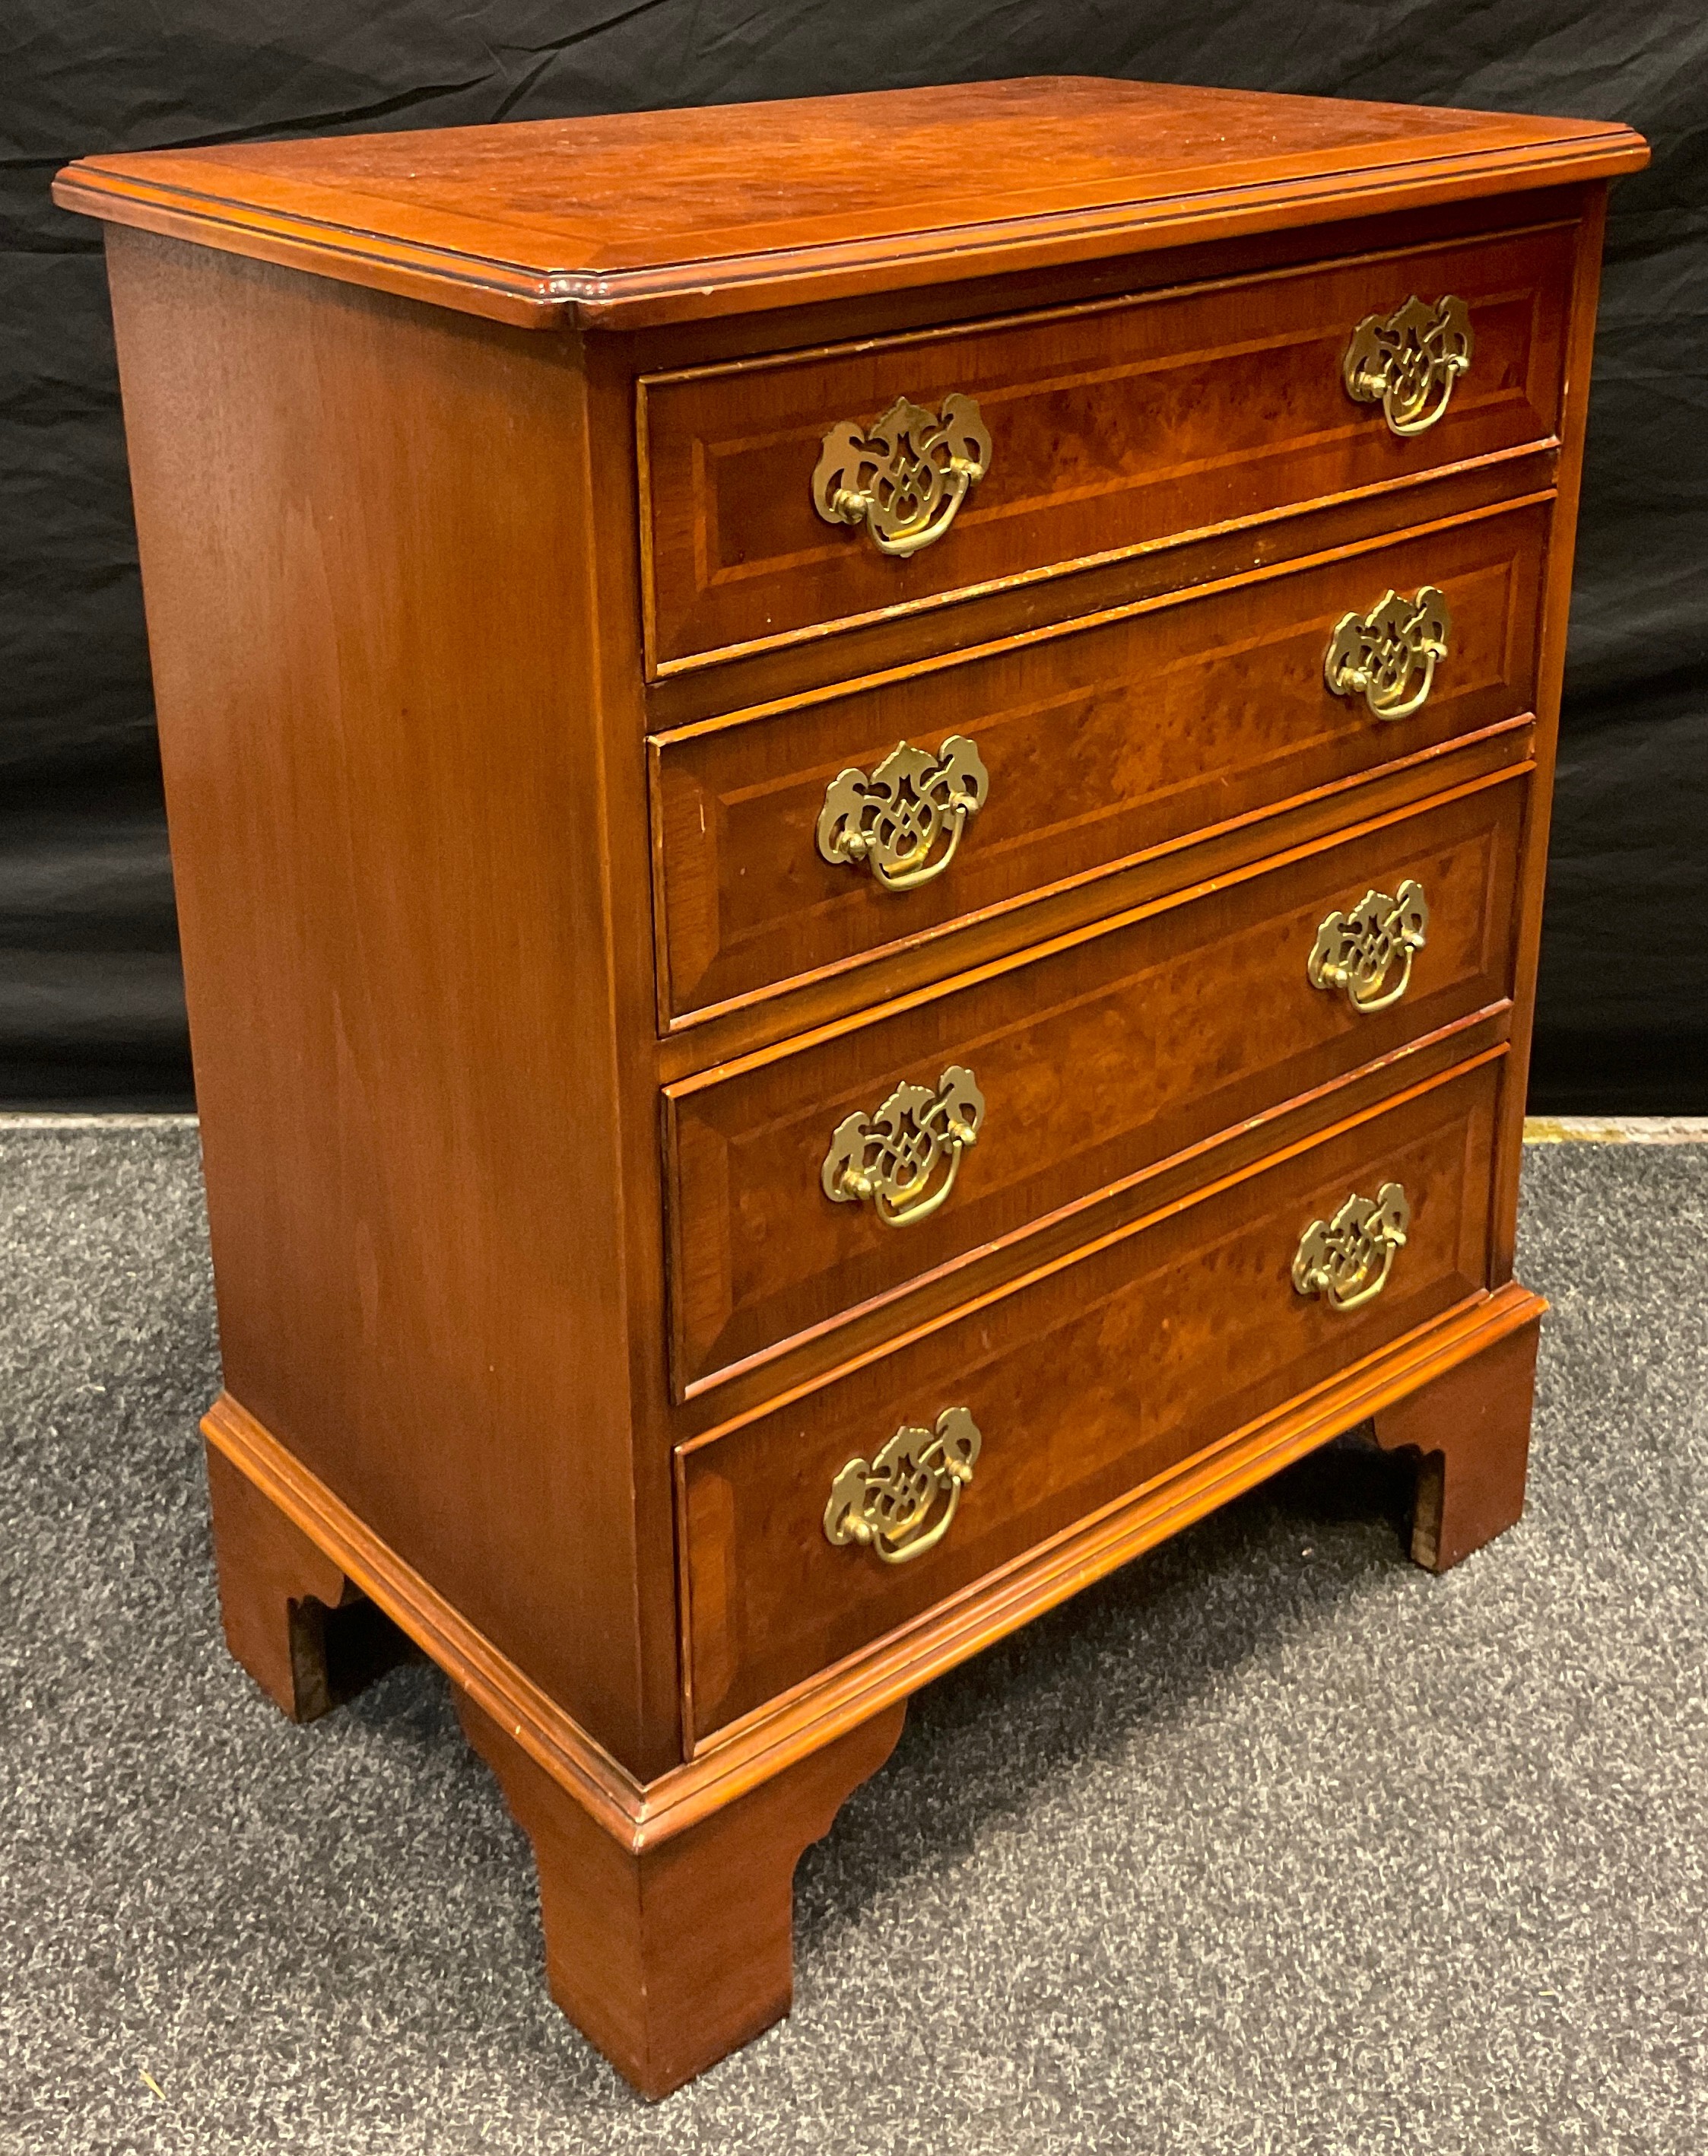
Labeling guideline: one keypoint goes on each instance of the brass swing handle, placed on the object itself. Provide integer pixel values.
(891, 821)
(891, 1159)
(1376, 655)
(905, 475)
(1347, 1261)
(1355, 951)
(884, 1504)
(1408, 360)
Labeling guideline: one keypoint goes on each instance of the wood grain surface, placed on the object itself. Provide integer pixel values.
(1085, 1383)
(1114, 427)
(888, 648)
(367, 585)
(664, 216)
(1095, 1061)
(1128, 736)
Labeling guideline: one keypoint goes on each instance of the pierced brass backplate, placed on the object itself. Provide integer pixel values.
(1378, 656)
(1347, 1261)
(1409, 359)
(884, 1504)
(893, 821)
(1355, 951)
(905, 475)
(890, 1160)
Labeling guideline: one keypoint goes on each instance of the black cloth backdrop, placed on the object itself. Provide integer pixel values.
(91, 1006)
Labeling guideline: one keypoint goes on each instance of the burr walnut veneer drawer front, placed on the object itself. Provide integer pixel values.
(1096, 746)
(1107, 429)
(1074, 1068)
(1085, 1384)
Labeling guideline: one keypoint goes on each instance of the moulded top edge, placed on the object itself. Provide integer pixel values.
(630, 220)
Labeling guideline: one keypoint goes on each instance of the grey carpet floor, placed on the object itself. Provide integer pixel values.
(1270, 1843)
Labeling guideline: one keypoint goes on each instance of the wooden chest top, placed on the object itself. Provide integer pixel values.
(654, 216)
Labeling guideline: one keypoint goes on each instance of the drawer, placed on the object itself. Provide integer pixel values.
(1106, 429)
(1084, 1384)
(1096, 747)
(1088, 1062)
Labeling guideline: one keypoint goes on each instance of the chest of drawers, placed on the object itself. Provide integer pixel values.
(859, 841)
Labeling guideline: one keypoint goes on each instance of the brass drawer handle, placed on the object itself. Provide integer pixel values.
(1347, 1261)
(1409, 359)
(1355, 951)
(1374, 655)
(888, 1160)
(906, 475)
(882, 1504)
(892, 820)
